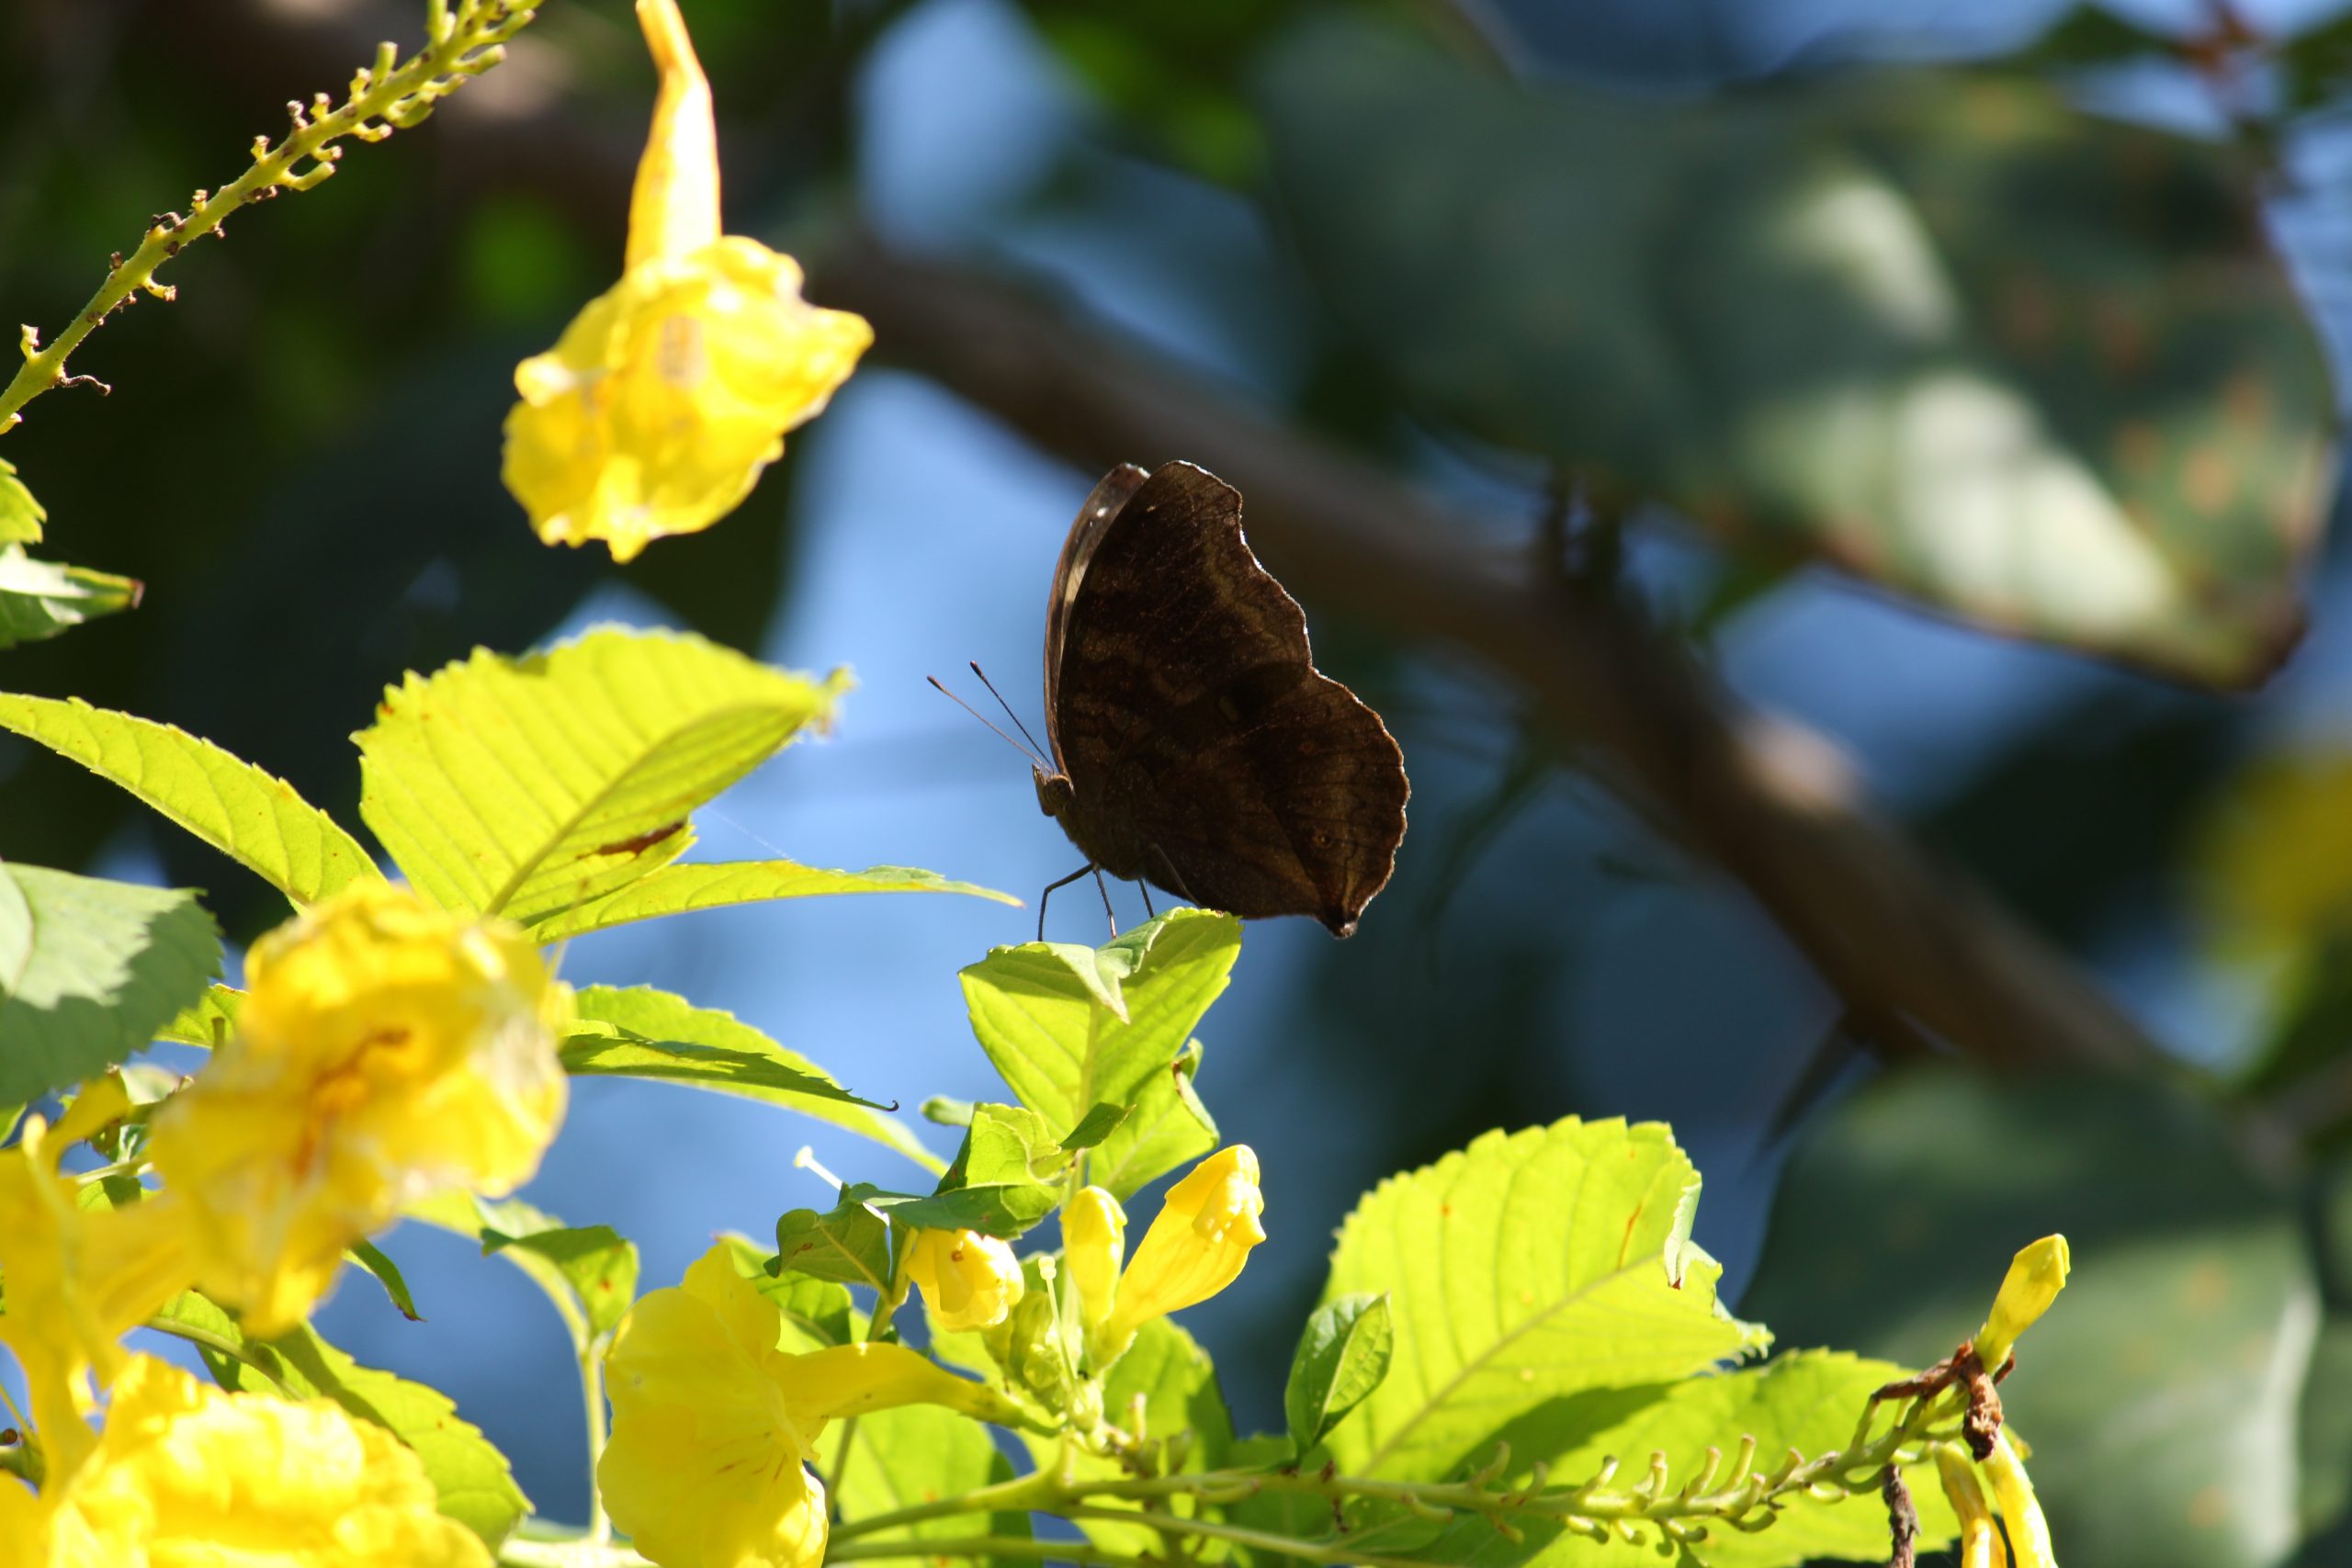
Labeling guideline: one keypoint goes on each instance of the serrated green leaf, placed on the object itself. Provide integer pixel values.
(39, 598)
(678, 889)
(528, 786)
(1070, 1028)
(1952, 332)
(255, 819)
(1168, 1127)
(207, 1022)
(849, 1243)
(596, 1262)
(387, 1273)
(89, 971)
(655, 1034)
(20, 515)
(472, 1479)
(1342, 1357)
(1523, 1270)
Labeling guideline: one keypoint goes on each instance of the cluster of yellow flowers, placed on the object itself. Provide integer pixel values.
(385, 1051)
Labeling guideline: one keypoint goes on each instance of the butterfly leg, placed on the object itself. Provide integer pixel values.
(1145, 888)
(1048, 893)
(1104, 888)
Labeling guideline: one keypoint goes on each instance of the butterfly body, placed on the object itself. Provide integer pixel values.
(1196, 745)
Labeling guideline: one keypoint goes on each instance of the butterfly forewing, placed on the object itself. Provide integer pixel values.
(1205, 751)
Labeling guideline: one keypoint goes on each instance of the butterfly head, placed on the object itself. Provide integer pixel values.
(1055, 794)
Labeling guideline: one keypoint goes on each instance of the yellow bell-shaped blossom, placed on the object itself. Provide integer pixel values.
(2036, 1276)
(1195, 1248)
(188, 1474)
(386, 1051)
(711, 1422)
(668, 394)
(968, 1280)
(1980, 1541)
(1094, 1239)
(77, 1278)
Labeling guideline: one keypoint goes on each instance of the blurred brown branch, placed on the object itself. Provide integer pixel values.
(1915, 951)
(1909, 945)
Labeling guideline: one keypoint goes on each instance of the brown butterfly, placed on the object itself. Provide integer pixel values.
(1196, 745)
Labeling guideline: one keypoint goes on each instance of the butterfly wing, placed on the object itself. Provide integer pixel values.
(1205, 752)
(1093, 518)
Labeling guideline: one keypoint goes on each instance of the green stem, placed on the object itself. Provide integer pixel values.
(1024, 1494)
(984, 1546)
(386, 96)
(1256, 1541)
(592, 1389)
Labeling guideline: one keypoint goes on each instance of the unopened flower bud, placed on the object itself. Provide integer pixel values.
(969, 1280)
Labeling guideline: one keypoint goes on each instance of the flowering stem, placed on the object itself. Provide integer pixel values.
(985, 1546)
(592, 1388)
(386, 96)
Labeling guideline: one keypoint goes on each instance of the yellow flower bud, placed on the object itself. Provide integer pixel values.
(969, 1280)
(386, 1051)
(1196, 1246)
(1980, 1543)
(187, 1473)
(2028, 1532)
(1095, 1240)
(711, 1422)
(668, 394)
(2036, 1276)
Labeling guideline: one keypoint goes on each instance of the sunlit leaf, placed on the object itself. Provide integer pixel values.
(677, 890)
(20, 515)
(207, 1021)
(527, 786)
(1524, 1271)
(642, 1033)
(90, 971)
(1342, 1357)
(597, 1262)
(39, 598)
(252, 818)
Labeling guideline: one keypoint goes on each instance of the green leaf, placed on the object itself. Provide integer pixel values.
(1003, 1180)
(596, 1262)
(2179, 1346)
(475, 1484)
(1947, 331)
(1096, 1126)
(529, 787)
(89, 971)
(1168, 1127)
(1524, 1271)
(207, 1021)
(376, 1261)
(490, 1223)
(1342, 1357)
(676, 889)
(39, 598)
(647, 1034)
(850, 1242)
(1070, 1028)
(253, 819)
(20, 515)
(919, 1453)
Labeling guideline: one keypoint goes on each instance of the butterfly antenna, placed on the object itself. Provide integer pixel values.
(1002, 704)
(1028, 751)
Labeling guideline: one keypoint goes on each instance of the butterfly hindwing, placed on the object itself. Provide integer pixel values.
(1204, 750)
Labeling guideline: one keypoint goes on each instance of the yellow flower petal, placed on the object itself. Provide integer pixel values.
(1980, 1541)
(673, 210)
(668, 394)
(386, 1051)
(188, 1474)
(1095, 1239)
(2036, 1276)
(969, 1280)
(1196, 1246)
(2021, 1511)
